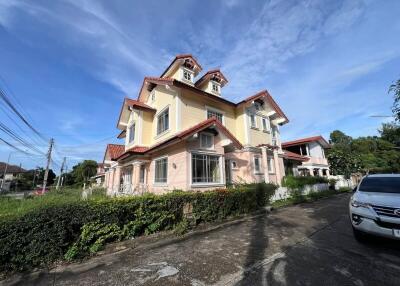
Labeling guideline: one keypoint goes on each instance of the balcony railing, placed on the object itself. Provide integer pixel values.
(130, 189)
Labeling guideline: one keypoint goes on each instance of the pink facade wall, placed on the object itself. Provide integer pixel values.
(245, 167)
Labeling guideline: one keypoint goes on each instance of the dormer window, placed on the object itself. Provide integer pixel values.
(215, 88)
(187, 75)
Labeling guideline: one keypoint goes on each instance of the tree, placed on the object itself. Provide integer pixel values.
(395, 89)
(391, 133)
(343, 163)
(83, 171)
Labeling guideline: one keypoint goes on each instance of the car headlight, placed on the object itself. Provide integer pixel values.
(358, 204)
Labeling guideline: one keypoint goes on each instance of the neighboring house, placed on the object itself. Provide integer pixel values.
(181, 133)
(12, 172)
(99, 179)
(306, 157)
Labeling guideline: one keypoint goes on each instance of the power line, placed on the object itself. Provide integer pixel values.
(14, 147)
(9, 103)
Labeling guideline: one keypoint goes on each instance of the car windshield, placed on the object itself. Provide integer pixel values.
(380, 185)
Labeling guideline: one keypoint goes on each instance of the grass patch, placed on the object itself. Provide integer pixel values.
(313, 196)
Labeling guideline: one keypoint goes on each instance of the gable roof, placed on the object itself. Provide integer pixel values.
(318, 139)
(264, 94)
(114, 150)
(293, 156)
(136, 104)
(208, 75)
(182, 136)
(182, 57)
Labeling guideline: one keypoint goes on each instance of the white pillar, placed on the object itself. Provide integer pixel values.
(265, 164)
(278, 171)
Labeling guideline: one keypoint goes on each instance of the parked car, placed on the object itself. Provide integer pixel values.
(375, 207)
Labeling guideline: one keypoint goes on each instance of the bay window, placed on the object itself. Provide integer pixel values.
(206, 169)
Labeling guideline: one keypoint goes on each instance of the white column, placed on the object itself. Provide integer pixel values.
(278, 171)
(265, 164)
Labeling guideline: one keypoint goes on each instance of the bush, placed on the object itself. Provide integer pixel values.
(293, 182)
(74, 228)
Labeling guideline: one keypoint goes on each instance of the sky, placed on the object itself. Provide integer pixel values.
(67, 65)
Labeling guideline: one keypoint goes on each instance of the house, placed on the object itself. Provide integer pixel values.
(98, 180)
(306, 157)
(8, 173)
(181, 133)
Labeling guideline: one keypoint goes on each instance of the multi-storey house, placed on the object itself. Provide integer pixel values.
(306, 157)
(181, 133)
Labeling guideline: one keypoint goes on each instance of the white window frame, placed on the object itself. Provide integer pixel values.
(169, 121)
(144, 174)
(257, 172)
(191, 73)
(215, 110)
(221, 170)
(257, 106)
(155, 168)
(201, 141)
(271, 165)
(255, 120)
(133, 124)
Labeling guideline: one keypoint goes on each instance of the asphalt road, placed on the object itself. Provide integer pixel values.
(308, 244)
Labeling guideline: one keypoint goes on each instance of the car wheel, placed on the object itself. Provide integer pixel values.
(359, 235)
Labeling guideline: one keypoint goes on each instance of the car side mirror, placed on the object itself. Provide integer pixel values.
(354, 189)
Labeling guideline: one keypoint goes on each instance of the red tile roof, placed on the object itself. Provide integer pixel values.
(265, 94)
(139, 105)
(293, 156)
(115, 150)
(318, 138)
(183, 135)
(178, 57)
(208, 75)
(11, 169)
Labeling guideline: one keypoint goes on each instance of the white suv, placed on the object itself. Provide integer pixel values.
(375, 206)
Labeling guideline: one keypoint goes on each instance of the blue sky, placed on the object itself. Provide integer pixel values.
(69, 64)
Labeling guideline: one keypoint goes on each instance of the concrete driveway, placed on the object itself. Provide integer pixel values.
(308, 244)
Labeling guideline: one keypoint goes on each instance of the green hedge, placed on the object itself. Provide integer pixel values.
(293, 182)
(74, 229)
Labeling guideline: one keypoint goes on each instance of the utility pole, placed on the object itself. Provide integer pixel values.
(5, 171)
(61, 173)
(34, 178)
(46, 173)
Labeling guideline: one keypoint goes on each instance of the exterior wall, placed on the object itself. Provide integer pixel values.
(194, 111)
(244, 173)
(163, 98)
(316, 150)
(177, 169)
(147, 128)
(256, 134)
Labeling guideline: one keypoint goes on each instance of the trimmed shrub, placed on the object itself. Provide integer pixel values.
(293, 182)
(74, 228)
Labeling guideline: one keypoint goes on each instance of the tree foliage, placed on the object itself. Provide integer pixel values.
(395, 89)
(81, 173)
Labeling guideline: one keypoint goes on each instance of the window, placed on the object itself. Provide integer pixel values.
(142, 173)
(215, 87)
(234, 165)
(257, 106)
(153, 96)
(161, 171)
(303, 150)
(253, 123)
(206, 169)
(270, 162)
(257, 164)
(163, 121)
(206, 141)
(187, 75)
(216, 114)
(132, 133)
(264, 123)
